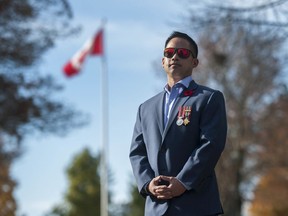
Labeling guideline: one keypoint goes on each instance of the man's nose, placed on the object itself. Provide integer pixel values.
(175, 56)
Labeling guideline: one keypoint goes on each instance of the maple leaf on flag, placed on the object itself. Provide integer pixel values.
(93, 46)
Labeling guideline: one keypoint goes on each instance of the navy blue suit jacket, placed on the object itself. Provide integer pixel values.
(188, 152)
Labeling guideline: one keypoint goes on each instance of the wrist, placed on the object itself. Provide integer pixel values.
(147, 188)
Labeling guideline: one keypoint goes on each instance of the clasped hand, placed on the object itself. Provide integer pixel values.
(166, 187)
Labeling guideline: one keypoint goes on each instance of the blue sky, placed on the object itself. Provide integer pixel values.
(134, 38)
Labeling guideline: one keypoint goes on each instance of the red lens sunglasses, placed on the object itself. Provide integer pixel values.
(181, 52)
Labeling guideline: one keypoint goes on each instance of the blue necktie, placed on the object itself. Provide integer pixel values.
(169, 103)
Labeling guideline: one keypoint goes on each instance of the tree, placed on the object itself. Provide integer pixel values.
(136, 205)
(26, 105)
(25, 34)
(29, 28)
(268, 14)
(83, 194)
(271, 194)
(242, 56)
(234, 63)
(7, 184)
(273, 133)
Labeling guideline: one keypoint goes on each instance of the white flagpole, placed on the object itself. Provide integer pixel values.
(105, 134)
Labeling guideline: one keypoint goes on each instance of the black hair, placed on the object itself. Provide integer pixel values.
(193, 44)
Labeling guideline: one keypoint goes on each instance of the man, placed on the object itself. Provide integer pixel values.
(178, 138)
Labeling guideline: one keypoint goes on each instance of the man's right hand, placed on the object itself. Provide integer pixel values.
(159, 188)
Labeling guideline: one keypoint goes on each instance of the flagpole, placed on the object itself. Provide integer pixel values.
(105, 135)
(95, 46)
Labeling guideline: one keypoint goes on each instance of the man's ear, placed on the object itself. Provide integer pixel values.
(195, 62)
(163, 59)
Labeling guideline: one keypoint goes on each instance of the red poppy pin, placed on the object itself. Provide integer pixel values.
(188, 93)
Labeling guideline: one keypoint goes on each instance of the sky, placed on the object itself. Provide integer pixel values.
(135, 33)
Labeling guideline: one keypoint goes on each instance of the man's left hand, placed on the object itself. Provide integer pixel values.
(175, 188)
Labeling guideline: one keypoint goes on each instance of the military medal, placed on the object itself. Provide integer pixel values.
(187, 113)
(181, 113)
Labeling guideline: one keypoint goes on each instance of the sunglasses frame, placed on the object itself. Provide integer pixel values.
(176, 50)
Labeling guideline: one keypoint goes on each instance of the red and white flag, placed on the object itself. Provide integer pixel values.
(93, 46)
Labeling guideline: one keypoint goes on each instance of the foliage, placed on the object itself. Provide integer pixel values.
(7, 184)
(241, 54)
(136, 205)
(268, 14)
(83, 194)
(29, 28)
(273, 133)
(271, 194)
(26, 105)
(26, 102)
(245, 65)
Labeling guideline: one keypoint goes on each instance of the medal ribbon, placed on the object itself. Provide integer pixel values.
(187, 112)
(181, 112)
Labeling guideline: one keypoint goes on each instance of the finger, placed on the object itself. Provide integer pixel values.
(166, 178)
(163, 191)
(164, 181)
(153, 186)
(156, 180)
(162, 187)
(164, 197)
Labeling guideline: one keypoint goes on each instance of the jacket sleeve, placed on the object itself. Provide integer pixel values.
(213, 130)
(139, 159)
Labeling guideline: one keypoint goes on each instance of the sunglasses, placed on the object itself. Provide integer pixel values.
(181, 52)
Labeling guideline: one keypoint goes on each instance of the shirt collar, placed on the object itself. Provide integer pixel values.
(185, 82)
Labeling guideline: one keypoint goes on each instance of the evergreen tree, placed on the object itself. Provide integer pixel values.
(83, 194)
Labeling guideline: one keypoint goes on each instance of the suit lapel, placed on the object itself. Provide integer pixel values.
(181, 100)
(159, 112)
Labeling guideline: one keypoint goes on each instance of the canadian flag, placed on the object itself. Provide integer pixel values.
(93, 46)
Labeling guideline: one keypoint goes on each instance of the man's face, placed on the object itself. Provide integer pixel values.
(176, 67)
